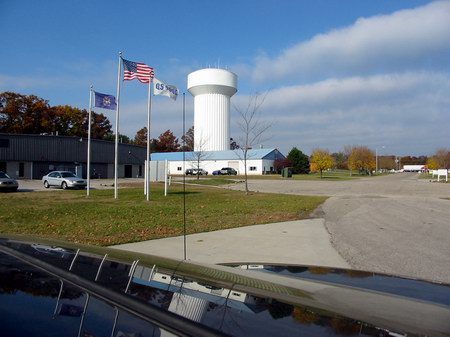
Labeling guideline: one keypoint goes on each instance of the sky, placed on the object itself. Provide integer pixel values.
(335, 73)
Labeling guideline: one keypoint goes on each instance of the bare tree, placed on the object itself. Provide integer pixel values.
(199, 154)
(252, 128)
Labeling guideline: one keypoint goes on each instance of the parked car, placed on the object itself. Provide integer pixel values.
(216, 173)
(228, 171)
(200, 172)
(301, 300)
(194, 172)
(63, 179)
(7, 184)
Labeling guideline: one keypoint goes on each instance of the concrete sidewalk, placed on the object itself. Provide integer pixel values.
(295, 242)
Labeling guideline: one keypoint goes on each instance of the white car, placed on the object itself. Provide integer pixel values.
(63, 179)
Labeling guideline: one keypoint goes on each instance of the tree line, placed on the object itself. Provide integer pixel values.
(357, 158)
(30, 114)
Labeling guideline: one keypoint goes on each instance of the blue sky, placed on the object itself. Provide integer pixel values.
(360, 72)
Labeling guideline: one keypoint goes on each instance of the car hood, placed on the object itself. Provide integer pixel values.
(73, 179)
(246, 299)
(8, 180)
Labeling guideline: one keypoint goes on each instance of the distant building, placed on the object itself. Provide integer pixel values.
(259, 161)
(33, 156)
(413, 168)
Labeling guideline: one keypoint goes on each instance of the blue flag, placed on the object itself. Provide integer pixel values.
(105, 101)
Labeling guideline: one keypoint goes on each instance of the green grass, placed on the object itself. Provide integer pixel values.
(102, 220)
(213, 180)
(336, 175)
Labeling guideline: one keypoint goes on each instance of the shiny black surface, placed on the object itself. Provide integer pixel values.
(408, 287)
(34, 303)
(228, 300)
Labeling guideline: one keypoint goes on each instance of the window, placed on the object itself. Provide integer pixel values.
(179, 168)
(4, 142)
(252, 168)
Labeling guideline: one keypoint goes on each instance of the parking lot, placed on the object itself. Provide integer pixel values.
(396, 223)
(37, 185)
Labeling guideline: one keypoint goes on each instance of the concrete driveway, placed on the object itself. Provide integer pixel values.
(396, 224)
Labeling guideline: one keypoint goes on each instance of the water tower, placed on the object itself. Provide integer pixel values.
(212, 90)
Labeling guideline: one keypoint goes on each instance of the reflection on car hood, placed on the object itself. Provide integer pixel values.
(185, 298)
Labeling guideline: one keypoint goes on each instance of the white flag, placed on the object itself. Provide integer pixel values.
(160, 88)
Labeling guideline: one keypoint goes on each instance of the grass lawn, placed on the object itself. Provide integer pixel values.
(102, 220)
(336, 175)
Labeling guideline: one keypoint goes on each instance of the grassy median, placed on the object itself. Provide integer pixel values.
(102, 220)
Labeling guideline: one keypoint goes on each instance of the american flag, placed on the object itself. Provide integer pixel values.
(133, 70)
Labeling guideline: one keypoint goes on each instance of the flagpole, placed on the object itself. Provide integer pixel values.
(116, 151)
(149, 110)
(89, 143)
(184, 176)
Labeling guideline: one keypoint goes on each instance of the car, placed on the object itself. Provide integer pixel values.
(200, 172)
(63, 179)
(194, 172)
(280, 299)
(228, 171)
(216, 173)
(7, 184)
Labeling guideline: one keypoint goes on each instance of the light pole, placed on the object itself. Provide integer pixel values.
(376, 159)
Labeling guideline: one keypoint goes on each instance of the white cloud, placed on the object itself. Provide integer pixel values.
(11, 83)
(404, 40)
(406, 112)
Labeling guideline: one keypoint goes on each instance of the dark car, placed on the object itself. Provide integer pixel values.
(228, 171)
(189, 172)
(216, 173)
(7, 184)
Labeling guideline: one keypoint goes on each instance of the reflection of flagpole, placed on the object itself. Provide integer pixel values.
(116, 152)
(149, 110)
(89, 143)
(84, 314)
(115, 322)
(59, 297)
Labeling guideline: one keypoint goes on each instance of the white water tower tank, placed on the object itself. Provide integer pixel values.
(212, 90)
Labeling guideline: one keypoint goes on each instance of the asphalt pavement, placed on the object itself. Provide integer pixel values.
(397, 224)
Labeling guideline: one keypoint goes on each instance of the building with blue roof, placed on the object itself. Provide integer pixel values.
(259, 161)
(212, 90)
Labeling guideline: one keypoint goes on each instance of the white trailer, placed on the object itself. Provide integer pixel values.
(413, 168)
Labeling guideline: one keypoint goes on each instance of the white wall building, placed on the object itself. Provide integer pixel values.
(260, 161)
(212, 90)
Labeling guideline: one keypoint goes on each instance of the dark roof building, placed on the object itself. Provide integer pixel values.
(32, 156)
